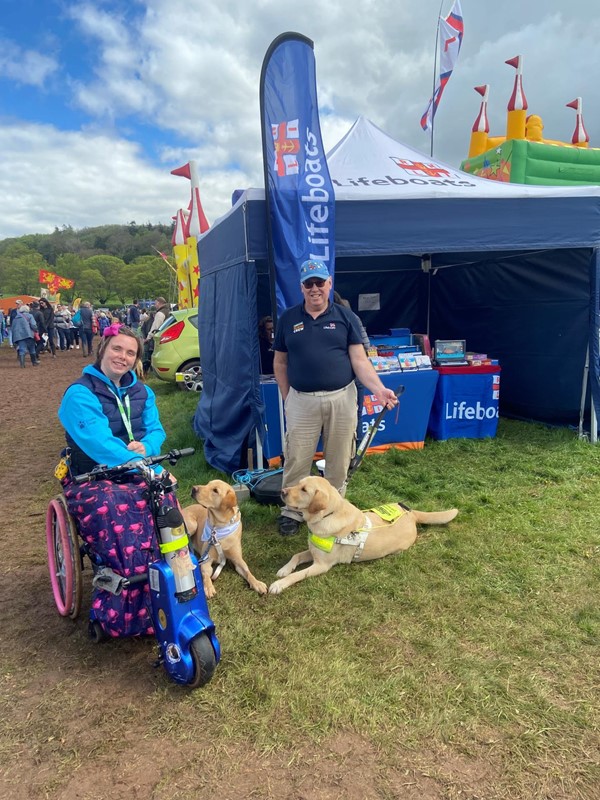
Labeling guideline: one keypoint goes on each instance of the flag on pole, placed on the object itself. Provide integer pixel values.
(451, 30)
(300, 200)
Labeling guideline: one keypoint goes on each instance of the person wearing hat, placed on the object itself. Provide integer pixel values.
(318, 354)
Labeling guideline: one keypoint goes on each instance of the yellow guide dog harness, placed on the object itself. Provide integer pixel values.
(388, 513)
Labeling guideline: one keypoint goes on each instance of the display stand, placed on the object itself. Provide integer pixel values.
(466, 405)
(404, 427)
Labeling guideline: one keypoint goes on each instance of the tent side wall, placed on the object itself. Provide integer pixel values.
(230, 405)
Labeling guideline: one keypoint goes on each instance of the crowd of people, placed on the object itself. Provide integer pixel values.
(42, 327)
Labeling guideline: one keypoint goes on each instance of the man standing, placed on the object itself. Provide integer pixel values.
(160, 315)
(318, 354)
(133, 316)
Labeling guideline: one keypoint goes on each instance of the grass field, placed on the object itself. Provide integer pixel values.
(484, 635)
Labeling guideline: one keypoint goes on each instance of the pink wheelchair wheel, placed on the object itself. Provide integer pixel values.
(63, 559)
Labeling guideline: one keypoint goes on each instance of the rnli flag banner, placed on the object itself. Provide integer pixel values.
(299, 194)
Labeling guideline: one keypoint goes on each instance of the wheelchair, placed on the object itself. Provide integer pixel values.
(65, 558)
(175, 608)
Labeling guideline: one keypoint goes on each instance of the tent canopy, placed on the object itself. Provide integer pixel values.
(511, 268)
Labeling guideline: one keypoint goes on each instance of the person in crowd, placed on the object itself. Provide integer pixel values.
(23, 329)
(74, 329)
(161, 309)
(103, 322)
(148, 341)
(3, 332)
(40, 332)
(11, 315)
(62, 322)
(110, 417)
(266, 334)
(86, 328)
(133, 316)
(47, 313)
(318, 354)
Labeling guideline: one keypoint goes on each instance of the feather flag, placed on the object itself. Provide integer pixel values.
(451, 32)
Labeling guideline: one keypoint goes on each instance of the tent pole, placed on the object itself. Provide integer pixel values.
(435, 67)
(586, 372)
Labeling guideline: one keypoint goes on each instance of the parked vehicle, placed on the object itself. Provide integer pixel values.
(176, 349)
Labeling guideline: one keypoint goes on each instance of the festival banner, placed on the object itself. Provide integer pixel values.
(450, 34)
(299, 195)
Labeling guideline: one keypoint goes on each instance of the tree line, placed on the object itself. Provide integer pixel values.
(110, 264)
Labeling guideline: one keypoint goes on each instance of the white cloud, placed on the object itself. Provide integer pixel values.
(25, 66)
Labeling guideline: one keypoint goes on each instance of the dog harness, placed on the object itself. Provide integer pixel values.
(387, 513)
(212, 535)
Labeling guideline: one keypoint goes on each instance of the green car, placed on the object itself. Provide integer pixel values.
(176, 349)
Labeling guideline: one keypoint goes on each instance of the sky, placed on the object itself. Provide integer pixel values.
(100, 99)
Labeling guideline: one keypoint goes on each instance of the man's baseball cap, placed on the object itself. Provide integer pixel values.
(18, 302)
(313, 269)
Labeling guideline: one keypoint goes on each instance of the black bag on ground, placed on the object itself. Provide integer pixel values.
(264, 485)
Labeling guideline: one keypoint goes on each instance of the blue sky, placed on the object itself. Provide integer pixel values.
(100, 99)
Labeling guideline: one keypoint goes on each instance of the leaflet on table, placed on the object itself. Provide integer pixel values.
(407, 362)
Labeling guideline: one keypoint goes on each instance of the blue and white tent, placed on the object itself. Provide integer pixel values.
(512, 269)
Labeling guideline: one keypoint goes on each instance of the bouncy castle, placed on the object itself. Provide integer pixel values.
(523, 155)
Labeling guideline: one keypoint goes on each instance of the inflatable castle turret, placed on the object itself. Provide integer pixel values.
(524, 155)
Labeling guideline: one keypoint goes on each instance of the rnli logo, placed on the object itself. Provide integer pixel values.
(299, 326)
(420, 168)
(286, 141)
(330, 327)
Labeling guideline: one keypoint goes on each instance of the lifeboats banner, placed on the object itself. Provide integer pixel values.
(300, 201)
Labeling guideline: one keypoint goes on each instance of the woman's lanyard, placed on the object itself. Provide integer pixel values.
(125, 412)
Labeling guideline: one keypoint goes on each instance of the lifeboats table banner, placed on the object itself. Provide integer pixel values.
(300, 197)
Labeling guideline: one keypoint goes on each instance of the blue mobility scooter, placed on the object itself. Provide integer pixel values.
(188, 646)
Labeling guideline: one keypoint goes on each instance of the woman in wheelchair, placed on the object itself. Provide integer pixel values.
(110, 417)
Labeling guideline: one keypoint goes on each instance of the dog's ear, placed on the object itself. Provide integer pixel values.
(318, 502)
(229, 500)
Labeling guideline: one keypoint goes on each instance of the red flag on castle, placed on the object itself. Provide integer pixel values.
(188, 228)
(450, 33)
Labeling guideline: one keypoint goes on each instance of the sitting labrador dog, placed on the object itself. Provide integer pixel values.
(215, 529)
(340, 534)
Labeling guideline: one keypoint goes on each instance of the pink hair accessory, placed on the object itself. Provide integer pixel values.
(112, 330)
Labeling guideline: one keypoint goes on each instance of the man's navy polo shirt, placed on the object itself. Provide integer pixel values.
(317, 349)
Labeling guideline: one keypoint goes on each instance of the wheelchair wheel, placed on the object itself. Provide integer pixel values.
(205, 661)
(64, 561)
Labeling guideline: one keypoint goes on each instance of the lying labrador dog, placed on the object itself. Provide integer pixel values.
(341, 534)
(215, 529)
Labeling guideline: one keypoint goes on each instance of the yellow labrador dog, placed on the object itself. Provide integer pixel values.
(341, 534)
(215, 529)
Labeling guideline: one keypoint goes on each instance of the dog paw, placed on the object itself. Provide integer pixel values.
(260, 587)
(284, 571)
(209, 592)
(276, 588)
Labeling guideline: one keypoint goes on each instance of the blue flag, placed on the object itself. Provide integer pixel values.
(299, 194)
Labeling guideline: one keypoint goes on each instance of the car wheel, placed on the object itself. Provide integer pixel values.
(193, 380)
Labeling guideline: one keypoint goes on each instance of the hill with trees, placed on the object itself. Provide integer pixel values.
(110, 264)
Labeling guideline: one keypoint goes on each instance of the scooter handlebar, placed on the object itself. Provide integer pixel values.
(103, 471)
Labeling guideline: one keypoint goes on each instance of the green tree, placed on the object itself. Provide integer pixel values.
(109, 267)
(92, 286)
(19, 270)
(146, 277)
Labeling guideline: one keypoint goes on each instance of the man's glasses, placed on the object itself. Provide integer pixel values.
(319, 282)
